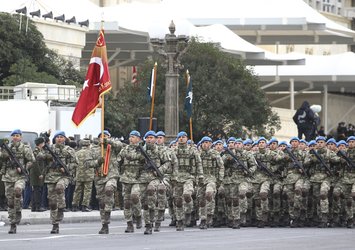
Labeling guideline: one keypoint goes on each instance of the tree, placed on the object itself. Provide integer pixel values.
(26, 50)
(226, 97)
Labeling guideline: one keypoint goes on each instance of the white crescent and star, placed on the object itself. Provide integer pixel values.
(98, 61)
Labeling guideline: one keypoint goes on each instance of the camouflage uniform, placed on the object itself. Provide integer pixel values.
(261, 183)
(344, 192)
(105, 184)
(237, 186)
(84, 177)
(321, 184)
(213, 172)
(57, 181)
(188, 171)
(15, 181)
(295, 186)
(154, 197)
(132, 166)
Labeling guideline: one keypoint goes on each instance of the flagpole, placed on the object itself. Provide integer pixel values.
(153, 97)
(190, 120)
(102, 104)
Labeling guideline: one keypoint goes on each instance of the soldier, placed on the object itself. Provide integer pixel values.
(132, 165)
(58, 177)
(321, 176)
(264, 175)
(84, 177)
(213, 169)
(37, 173)
(107, 174)
(13, 176)
(188, 172)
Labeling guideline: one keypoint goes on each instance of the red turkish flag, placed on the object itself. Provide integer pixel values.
(97, 82)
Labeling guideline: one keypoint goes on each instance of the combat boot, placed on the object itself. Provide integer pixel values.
(236, 224)
(179, 225)
(157, 226)
(148, 229)
(187, 219)
(260, 224)
(350, 223)
(209, 220)
(243, 220)
(75, 209)
(130, 228)
(139, 222)
(12, 229)
(172, 223)
(104, 229)
(55, 229)
(323, 221)
(294, 223)
(203, 224)
(86, 209)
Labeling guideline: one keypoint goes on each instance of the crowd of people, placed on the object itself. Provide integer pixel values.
(233, 183)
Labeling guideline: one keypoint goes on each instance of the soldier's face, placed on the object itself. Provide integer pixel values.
(16, 137)
(238, 145)
(282, 147)
(295, 143)
(247, 146)
(331, 146)
(312, 147)
(273, 145)
(351, 144)
(60, 139)
(206, 145)
(342, 147)
(219, 147)
(134, 139)
(262, 144)
(160, 140)
(302, 146)
(150, 139)
(231, 144)
(183, 139)
(320, 144)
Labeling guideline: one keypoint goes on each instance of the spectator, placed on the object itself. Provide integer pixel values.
(351, 130)
(321, 131)
(341, 131)
(305, 121)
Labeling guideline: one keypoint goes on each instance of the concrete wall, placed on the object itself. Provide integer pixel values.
(288, 127)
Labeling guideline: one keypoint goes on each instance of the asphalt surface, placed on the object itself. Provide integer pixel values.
(85, 236)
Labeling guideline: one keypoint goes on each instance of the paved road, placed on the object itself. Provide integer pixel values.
(84, 236)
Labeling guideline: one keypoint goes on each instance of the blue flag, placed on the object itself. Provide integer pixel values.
(188, 98)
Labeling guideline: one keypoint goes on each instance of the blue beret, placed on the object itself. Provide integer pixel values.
(231, 139)
(135, 133)
(218, 141)
(311, 143)
(105, 133)
(295, 138)
(149, 133)
(172, 142)
(320, 138)
(181, 133)
(206, 138)
(331, 140)
(303, 141)
(189, 142)
(261, 139)
(283, 143)
(160, 133)
(273, 139)
(248, 141)
(341, 142)
(16, 132)
(239, 140)
(350, 138)
(62, 133)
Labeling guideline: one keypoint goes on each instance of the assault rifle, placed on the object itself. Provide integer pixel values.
(342, 154)
(150, 164)
(264, 168)
(59, 163)
(14, 160)
(239, 163)
(295, 161)
(321, 161)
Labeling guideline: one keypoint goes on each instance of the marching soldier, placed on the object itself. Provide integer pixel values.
(188, 172)
(13, 175)
(58, 177)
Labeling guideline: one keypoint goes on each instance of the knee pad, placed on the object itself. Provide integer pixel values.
(135, 198)
(161, 190)
(109, 191)
(59, 189)
(249, 194)
(229, 202)
(242, 196)
(18, 192)
(257, 202)
(187, 198)
(263, 196)
(209, 196)
(178, 202)
(276, 195)
(127, 204)
(323, 196)
(235, 202)
(202, 203)
(150, 191)
(298, 191)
